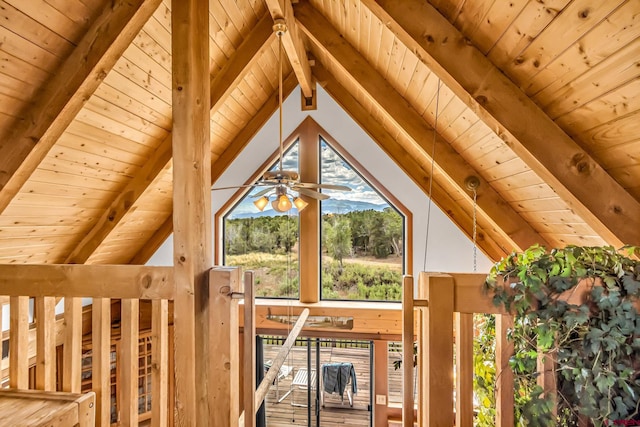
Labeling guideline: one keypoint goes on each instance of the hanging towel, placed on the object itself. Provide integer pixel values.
(336, 376)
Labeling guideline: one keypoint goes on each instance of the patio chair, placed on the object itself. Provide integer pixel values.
(301, 381)
(284, 372)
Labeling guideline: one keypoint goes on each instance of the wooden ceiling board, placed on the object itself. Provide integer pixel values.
(619, 131)
(619, 102)
(572, 23)
(622, 27)
(616, 70)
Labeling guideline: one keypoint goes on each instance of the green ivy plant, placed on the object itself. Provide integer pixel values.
(594, 341)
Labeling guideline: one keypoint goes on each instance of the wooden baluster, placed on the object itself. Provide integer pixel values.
(407, 351)
(129, 360)
(504, 375)
(464, 369)
(19, 342)
(46, 343)
(159, 363)
(72, 366)
(101, 359)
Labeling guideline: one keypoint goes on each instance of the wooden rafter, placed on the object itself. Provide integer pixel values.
(568, 169)
(293, 44)
(67, 91)
(518, 234)
(221, 164)
(489, 241)
(222, 84)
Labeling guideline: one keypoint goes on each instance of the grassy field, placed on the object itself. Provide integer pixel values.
(359, 278)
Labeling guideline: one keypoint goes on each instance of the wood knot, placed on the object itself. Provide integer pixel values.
(112, 216)
(617, 209)
(430, 38)
(519, 60)
(482, 100)
(146, 282)
(581, 163)
(583, 14)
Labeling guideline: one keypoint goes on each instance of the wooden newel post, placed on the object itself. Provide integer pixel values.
(435, 360)
(223, 358)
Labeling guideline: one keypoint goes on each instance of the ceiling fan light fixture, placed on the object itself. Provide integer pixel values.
(300, 204)
(282, 203)
(261, 203)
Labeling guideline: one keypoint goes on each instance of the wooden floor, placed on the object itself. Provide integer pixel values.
(335, 411)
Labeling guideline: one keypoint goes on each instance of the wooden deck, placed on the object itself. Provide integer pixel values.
(335, 411)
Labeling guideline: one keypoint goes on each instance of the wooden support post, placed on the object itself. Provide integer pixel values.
(504, 374)
(159, 362)
(547, 377)
(407, 351)
(46, 343)
(101, 359)
(72, 366)
(191, 150)
(249, 365)
(19, 342)
(308, 255)
(464, 369)
(129, 361)
(381, 384)
(436, 361)
(223, 346)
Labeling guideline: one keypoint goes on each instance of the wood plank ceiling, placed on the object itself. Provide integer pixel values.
(538, 98)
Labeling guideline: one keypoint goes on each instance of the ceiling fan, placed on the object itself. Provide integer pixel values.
(279, 182)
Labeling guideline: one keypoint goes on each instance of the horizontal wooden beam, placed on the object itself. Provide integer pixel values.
(577, 178)
(95, 281)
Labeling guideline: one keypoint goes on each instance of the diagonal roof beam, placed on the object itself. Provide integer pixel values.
(67, 91)
(517, 233)
(221, 164)
(489, 241)
(222, 84)
(292, 43)
(577, 178)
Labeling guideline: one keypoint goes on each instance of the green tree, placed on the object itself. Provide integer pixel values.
(338, 238)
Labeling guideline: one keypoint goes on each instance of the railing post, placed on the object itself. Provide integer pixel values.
(547, 377)
(223, 347)
(249, 365)
(435, 361)
(504, 374)
(129, 359)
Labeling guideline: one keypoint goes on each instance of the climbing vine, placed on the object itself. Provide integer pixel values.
(579, 307)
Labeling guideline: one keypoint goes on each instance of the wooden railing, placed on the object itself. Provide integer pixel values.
(444, 305)
(47, 283)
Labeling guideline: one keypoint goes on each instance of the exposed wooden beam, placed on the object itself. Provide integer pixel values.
(71, 86)
(489, 240)
(293, 44)
(222, 84)
(519, 234)
(191, 209)
(221, 164)
(97, 281)
(577, 178)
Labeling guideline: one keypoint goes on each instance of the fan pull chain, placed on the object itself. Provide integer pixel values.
(433, 157)
(475, 231)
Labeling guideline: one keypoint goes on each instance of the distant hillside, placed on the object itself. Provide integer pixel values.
(328, 206)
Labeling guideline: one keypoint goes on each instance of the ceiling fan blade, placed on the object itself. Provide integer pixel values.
(262, 192)
(311, 193)
(325, 186)
(234, 187)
